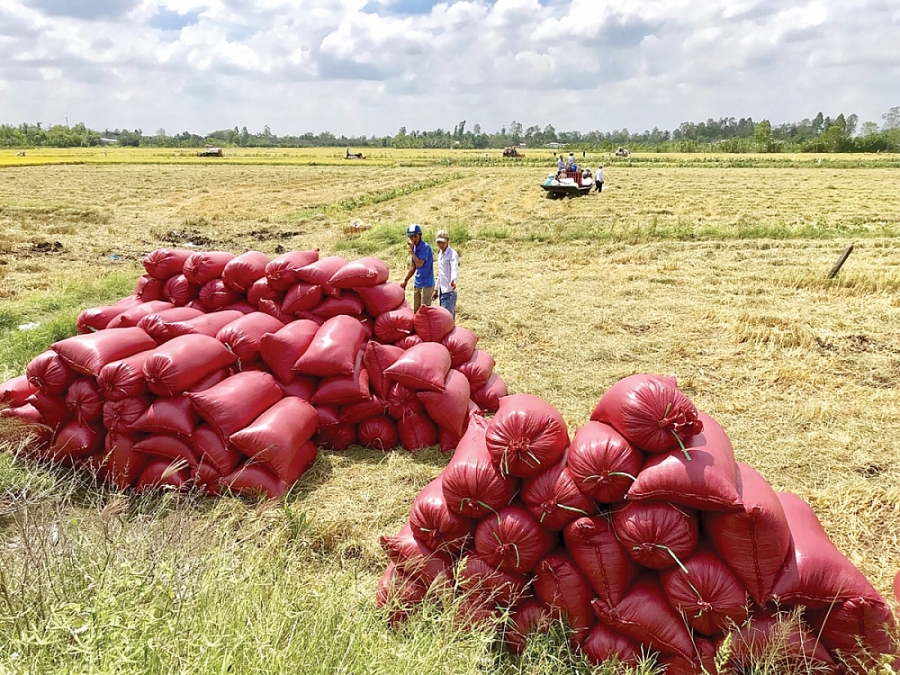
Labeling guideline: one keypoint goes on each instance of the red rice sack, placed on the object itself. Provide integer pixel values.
(381, 298)
(261, 290)
(321, 271)
(363, 410)
(529, 618)
(512, 540)
(344, 389)
(236, 401)
(149, 288)
(210, 448)
(241, 305)
(87, 354)
(448, 440)
(215, 295)
(480, 577)
(242, 336)
(781, 640)
(206, 479)
(337, 438)
(364, 272)
(600, 556)
(650, 412)
(98, 318)
(708, 595)
(554, 499)
(280, 348)
(281, 273)
(301, 387)
(118, 416)
(171, 448)
(395, 325)
(278, 436)
(124, 378)
(402, 401)
(526, 436)
(562, 587)
(754, 541)
(240, 272)
(378, 432)
(397, 594)
(273, 308)
(602, 645)
(448, 408)
(334, 349)
(478, 369)
(52, 407)
(205, 266)
(302, 297)
(347, 303)
(656, 534)
(423, 367)
(183, 361)
(49, 373)
(488, 397)
(254, 480)
(179, 291)
(173, 415)
(130, 317)
(602, 463)
(166, 262)
(83, 398)
(156, 325)
(435, 525)
(460, 342)
(859, 630)
(77, 440)
(206, 324)
(433, 323)
(645, 616)
(416, 432)
(14, 392)
(123, 464)
(817, 575)
(409, 341)
(704, 476)
(473, 487)
(163, 473)
(415, 560)
(376, 359)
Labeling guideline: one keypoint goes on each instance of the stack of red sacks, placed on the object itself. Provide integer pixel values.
(229, 371)
(642, 532)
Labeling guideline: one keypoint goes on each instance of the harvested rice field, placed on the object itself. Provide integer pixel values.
(714, 275)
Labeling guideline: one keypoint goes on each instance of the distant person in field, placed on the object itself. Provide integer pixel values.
(598, 178)
(570, 163)
(560, 166)
(448, 273)
(421, 264)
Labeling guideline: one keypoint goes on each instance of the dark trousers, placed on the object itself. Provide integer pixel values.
(599, 185)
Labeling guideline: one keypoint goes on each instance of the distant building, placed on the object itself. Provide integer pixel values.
(109, 141)
(555, 145)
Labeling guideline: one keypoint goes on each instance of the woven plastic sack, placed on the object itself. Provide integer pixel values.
(779, 639)
(84, 399)
(527, 436)
(123, 464)
(512, 540)
(278, 436)
(433, 323)
(321, 271)
(172, 448)
(281, 347)
(211, 449)
(334, 349)
(14, 392)
(344, 389)
(754, 541)
(703, 476)
(563, 588)
(381, 298)
(87, 354)
(656, 534)
(254, 480)
(183, 361)
(215, 295)
(156, 325)
(554, 499)
(302, 297)
(859, 630)
(602, 463)
(261, 290)
(448, 408)
(149, 288)
(338, 438)
(48, 373)
(124, 378)
(347, 303)
(240, 272)
(478, 368)
(281, 272)
(168, 415)
(421, 368)
(415, 560)
(601, 557)
(416, 432)
(481, 577)
(77, 440)
(402, 401)
(460, 342)
(118, 416)
(368, 271)
(434, 524)
(473, 487)
(395, 325)
(130, 317)
(179, 291)
(650, 412)
(236, 401)
(376, 359)
(407, 341)
(529, 618)
(379, 432)
(98, 318)
(165, 262)
(163, 474)
(488, 397)
(204, 266)
(397, 594)
(242, 336)
(603, 644)
(206, 324)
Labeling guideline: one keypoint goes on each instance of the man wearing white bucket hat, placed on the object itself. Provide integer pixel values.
(448, 273)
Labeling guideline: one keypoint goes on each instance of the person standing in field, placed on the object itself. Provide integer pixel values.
(421, 264)
(448, 273)
(598, 178)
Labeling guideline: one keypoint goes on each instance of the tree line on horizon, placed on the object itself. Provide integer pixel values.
(727, 134)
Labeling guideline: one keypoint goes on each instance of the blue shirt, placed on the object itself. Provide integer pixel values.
(424, 277)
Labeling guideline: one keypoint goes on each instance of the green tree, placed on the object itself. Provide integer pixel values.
(763, 135)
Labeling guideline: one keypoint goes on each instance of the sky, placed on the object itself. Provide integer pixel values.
(368, 67)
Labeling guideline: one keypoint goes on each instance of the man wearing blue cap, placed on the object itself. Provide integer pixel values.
(421, 264)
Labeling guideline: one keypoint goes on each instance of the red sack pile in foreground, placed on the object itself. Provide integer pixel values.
(229, 371)
(641, 532)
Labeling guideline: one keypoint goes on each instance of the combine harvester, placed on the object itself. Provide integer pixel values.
(573, 184)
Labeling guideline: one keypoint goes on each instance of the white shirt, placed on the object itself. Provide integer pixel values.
(598, 177)
(448, 269)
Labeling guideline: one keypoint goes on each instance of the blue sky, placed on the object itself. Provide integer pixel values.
(372, 66)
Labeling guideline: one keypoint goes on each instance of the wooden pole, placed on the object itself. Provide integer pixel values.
(837, 266)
